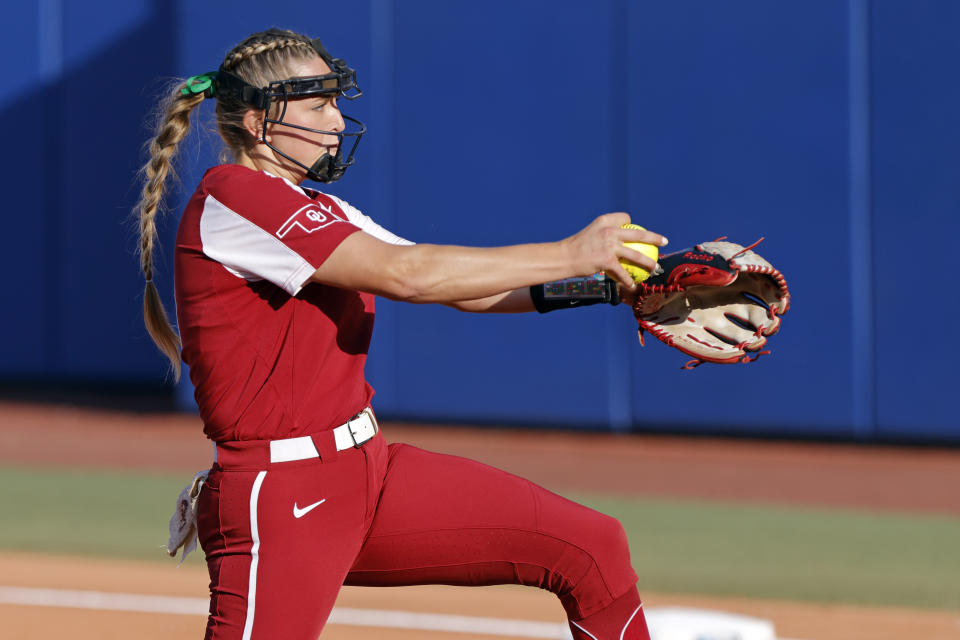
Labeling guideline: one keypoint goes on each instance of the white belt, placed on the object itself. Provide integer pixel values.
(352, 434)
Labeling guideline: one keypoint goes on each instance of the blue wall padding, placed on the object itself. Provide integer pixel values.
(24, 97)
(916, 208)
(741, 130)
(828, 127)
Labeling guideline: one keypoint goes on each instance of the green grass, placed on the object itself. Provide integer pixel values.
(91, 513)
(812, 554)
(820, 555)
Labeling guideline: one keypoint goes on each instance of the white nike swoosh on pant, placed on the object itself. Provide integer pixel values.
(299, 513)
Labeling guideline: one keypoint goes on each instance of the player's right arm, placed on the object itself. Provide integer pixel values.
(516, 301)
(425, 273)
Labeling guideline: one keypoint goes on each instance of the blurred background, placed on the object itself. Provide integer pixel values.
(827, 127)
(826, 474)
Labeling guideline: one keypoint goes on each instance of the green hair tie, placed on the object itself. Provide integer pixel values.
(202, 83)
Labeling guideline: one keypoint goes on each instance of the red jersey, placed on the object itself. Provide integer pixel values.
(270, 354)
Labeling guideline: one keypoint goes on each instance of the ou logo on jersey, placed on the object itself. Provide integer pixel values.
(309, 219)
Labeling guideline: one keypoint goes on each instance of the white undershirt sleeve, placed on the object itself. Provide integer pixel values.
(366, 224)
(248, 251)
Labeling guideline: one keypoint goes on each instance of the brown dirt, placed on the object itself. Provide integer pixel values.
(897, 478)
(792, 619)
(901, 478)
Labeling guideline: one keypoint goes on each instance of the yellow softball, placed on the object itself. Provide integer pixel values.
(639, 274)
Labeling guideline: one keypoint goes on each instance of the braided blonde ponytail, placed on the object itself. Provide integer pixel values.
(171, 130)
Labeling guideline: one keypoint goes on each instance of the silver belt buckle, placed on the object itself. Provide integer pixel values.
(353, 435)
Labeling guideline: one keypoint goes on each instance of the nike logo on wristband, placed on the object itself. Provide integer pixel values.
(299, 513)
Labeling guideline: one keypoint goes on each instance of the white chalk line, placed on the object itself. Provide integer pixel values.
(381, 618)
(103, 601)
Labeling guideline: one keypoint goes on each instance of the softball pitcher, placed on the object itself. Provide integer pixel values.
(275, 287)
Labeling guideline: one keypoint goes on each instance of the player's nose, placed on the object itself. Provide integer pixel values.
(338, 124)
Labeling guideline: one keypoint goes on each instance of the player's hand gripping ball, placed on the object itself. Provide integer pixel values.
(639, 274)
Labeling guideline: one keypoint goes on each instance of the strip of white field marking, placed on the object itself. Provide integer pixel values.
(341, 615)
(103, 601)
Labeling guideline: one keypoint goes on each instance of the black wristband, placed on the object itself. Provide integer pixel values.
(574, 292)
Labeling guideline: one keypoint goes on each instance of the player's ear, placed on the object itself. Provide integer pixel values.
(253, 124)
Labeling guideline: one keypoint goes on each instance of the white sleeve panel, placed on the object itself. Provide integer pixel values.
(358, 219)
(248, 251)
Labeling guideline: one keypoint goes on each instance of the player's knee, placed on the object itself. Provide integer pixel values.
(601, 541)
(611, 543)
(610, 572)
(587, 550)
(611, 555)
(607, 549)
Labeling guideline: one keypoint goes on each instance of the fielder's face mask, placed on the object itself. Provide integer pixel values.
(341, 81)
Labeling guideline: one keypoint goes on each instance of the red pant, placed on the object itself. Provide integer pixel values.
(397, 515)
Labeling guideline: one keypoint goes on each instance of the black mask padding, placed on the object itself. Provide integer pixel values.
(327, 168)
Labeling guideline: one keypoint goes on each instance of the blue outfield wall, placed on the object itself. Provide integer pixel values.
(827, 127)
